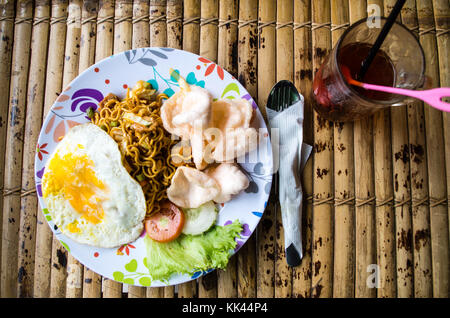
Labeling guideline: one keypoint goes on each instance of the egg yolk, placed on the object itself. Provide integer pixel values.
(73, 176)
(73, 227)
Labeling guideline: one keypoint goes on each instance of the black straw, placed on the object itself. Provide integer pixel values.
(380, 39)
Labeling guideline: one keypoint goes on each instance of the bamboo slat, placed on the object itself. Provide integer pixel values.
(187, 290)
(174, 24)
(248, 45)
(169, 292)
(302, 276)
(266, 50)
(88, 32)
(53, 85)
(137, 292)
(419, 182)
(209, 17)
(105, 29)
(123, 25)
(59, 258)
(322, 252)
(191, 26)
(92, 283)
(402, 196)
(384, 211)
(33, 119)
(154, 292)
(284, 71)
(436, 159)
(365, 247)
(442, 22)
(384, 196)
(227, 58)
(301, 282)
(14, 148)
(265, 284)
(247, 61)
(228, 36)
(344, 188)
(141, 26)
(364, 213)
(207, 285)
(58, 270)
(158, 27)
(73, 35)
(6, 45)
(402, 206)
(71, 67)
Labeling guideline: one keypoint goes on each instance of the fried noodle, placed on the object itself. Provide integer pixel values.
(144, 143)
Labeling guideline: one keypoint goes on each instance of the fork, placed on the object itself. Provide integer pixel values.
(283, 95)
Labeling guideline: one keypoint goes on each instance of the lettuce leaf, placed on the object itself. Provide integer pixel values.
(190, 253)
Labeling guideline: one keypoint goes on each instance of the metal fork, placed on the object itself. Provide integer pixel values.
(283, 95)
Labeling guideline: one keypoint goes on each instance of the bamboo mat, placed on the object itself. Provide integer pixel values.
(377, 190)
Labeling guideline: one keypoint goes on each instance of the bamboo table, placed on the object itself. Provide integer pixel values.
(377, 190)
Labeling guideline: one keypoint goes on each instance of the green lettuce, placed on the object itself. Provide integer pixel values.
(191, 253)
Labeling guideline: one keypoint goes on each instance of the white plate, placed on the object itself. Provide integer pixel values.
(113, 75)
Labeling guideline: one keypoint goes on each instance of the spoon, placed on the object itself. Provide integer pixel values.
(433, 97)
(283, 95)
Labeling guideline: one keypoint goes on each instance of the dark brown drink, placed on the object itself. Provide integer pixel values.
(380, 72)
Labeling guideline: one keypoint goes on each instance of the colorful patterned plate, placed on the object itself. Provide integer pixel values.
(113, 75)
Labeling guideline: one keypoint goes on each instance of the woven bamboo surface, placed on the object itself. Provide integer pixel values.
(377, 190)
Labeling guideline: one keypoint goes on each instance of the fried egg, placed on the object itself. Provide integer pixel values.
(89, 194)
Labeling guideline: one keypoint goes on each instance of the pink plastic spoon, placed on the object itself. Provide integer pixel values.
(433, 97)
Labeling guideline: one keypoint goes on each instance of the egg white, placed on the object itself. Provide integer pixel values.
(123, 204)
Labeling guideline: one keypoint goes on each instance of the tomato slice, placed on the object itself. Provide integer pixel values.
(166, 224)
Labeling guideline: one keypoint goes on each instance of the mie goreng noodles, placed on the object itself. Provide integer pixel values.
(135, 124)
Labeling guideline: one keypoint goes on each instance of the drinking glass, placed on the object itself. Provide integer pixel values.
(336, 100)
